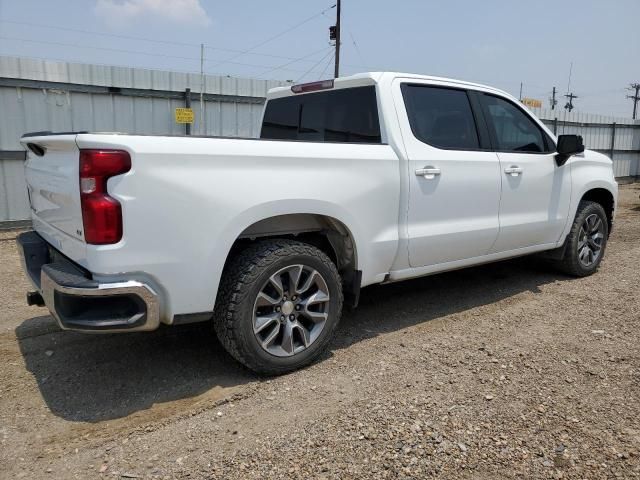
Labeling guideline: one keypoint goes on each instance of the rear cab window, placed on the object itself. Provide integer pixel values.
(348, 115)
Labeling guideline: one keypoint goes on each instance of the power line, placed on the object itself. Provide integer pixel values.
(118, 50)
(280, 67)
(353, 40)
(180, 44)
(278, 35)
(256, 65)
(144, 39)
(138, 52)
(88, 32)
(304, 59)
(314, 67)
(325, 67)
(603, 92)
(75, 60)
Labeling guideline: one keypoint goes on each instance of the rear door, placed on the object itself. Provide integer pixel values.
(535, 192)
(454, 177)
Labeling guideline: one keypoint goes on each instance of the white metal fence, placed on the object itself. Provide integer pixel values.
(618, 138)
(38, 95)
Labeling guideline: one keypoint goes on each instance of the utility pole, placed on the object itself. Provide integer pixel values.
(635, 98)
(554, 102)
(203, 126)
(569, 106)
(336, 71)
(520, 97)
(187, 104)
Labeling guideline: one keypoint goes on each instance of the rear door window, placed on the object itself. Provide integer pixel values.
(348, 115)
(441, 117)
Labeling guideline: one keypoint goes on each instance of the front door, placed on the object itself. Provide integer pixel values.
(535, 192)
(454, 177)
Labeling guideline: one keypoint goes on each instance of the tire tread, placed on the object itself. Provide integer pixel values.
(570, 264)
(239, 275)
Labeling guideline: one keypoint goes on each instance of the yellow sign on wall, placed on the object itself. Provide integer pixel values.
(184, 115)
(532, 102)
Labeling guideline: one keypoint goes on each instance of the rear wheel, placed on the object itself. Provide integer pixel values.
(586, 241)
(278, 305)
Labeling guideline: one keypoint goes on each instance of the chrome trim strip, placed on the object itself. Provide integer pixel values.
(141, 290)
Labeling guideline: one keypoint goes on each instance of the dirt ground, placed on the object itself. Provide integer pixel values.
(506, 370)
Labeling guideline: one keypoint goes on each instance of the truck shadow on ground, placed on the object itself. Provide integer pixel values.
(394, 306)
(93, 378)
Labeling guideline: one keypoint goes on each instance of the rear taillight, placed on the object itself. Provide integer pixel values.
(101, 214)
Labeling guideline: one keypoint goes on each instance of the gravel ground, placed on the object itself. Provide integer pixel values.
(506, 370)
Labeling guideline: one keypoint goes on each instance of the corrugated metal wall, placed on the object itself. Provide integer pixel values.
(120, 99)
(598, 133)
(14, 203)
(38, 95)
(30, 109)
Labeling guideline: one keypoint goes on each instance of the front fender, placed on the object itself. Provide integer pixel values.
(591, 171)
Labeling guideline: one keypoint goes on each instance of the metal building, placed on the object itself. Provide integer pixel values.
(37, 95)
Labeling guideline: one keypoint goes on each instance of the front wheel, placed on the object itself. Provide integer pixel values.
(586, 241)
(278, 305)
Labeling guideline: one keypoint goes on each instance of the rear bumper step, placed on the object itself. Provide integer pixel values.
(80, 303)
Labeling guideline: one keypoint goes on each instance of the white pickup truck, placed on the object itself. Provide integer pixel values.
(373, 178)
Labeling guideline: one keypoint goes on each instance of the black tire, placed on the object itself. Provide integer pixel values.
(243, 279)
(570, 263)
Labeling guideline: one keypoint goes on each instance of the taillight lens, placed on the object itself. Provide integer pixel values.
(101, 214)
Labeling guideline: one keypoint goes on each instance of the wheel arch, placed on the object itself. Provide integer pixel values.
(325, 232)
(604, 197)
(321, 224)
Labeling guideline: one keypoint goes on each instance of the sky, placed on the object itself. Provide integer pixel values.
(502, 43)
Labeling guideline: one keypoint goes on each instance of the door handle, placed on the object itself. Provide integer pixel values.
(513, 170)
(428, 172)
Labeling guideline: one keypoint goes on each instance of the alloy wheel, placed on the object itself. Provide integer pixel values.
(291, 310)
(590, 240)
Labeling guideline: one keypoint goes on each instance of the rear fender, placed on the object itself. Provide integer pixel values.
(263, 211)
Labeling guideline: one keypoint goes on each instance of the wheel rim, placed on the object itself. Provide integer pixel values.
(590, 240)
(291, 310)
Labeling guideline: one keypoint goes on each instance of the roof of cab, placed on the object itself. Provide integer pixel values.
(370, 78)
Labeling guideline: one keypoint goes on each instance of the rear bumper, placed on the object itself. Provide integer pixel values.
(80, 303)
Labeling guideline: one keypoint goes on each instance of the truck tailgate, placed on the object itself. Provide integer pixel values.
(52, 176)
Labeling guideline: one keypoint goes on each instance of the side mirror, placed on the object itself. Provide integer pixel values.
(568, 145)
